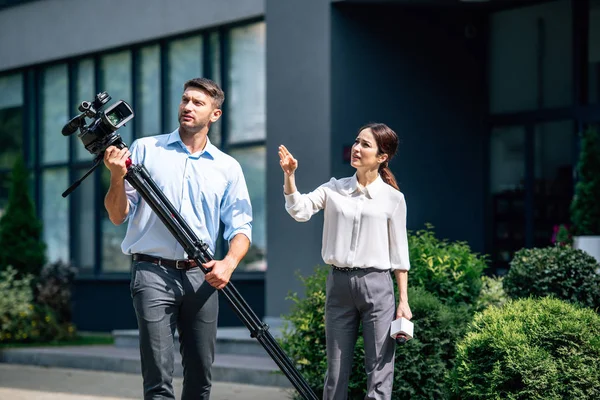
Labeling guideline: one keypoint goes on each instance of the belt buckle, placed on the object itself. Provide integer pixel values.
(177, 264)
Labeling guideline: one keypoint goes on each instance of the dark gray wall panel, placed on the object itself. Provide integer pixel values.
(52, 29)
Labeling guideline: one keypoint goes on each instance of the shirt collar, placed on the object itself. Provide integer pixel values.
(370, 190)
(209, 149)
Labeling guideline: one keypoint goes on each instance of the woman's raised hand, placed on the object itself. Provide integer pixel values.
(287, 161)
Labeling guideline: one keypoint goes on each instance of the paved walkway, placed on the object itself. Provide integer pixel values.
(22, 382)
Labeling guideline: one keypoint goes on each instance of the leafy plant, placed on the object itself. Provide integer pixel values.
(530, 349)
(53, 289)
(492, 293)
(450, 270)
(585, 207)
(562, 236)
(563, 272)
(421, 364)
(21, 242)
(21, 320)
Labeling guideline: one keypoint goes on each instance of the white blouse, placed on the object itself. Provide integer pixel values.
(364, 226)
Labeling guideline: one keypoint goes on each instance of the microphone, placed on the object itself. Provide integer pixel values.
(72, 126)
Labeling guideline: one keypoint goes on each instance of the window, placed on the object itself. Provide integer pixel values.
(77, 229)
(553, 171)
(148, 115)
(247, 74)
(11, 130)
(116, 78)
(531, 58)
(507, 184)
(55, 113)
(185, 63)
(55, 151)
(11, 120)
(85, 92)
(246, 117)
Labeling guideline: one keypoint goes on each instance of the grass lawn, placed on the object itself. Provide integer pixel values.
(82, 339)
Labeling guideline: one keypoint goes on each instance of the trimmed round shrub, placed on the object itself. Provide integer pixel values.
(542, 348)
(560, 271)
(450, 270)
(422, 364)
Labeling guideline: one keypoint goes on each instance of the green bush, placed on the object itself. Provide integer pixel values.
(560, 271)
(530, 349)
(21, 244)
(585, 208)
(492, 293)
(21, 320)
(53, 289)
(450, 270)
(421, 364)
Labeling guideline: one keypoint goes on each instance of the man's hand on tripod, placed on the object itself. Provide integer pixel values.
(115, 160)
(220, 273)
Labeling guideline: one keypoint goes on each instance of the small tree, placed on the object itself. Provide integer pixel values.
(21, 242)
(585, 208)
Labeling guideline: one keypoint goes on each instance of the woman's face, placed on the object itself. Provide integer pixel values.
(364, 151)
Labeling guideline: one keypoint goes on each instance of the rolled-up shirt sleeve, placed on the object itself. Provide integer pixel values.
(236, 209)
(303, 206)
(399, 258)
(133, 197)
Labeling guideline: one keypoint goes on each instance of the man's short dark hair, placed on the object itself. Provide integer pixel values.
(209, 87)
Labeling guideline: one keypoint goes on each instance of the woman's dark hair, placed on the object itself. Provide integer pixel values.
(387, 143)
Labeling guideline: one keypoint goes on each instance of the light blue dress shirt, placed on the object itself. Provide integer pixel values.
(205, 187)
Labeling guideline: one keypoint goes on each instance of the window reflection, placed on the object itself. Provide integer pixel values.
(185, 63)
(55, 214)
(84, 252)
(215, 54)
(11, 119)
(113, 259)
(253, 162)
(530, 57)
(116, 77)
(507, 184)
(55, 113)
(553, 190)
(85, 92)
(247, 91)
(150, 91)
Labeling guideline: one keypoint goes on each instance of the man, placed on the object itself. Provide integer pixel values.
(169, 291)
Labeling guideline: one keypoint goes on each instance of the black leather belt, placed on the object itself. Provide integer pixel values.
(176, 264)
(347, 269)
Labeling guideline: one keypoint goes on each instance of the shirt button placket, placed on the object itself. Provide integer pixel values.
(355, 230)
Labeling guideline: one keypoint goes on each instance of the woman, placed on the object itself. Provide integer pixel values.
(364, 237)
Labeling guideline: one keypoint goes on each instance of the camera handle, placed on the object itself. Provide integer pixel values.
(139, 177)
(97, 162)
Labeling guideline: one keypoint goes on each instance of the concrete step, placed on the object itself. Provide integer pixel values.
(248, 369)
(231, 341)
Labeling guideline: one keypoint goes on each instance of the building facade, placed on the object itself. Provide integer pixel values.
(487, 97)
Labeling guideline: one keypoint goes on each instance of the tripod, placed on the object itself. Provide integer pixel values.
(140, 179)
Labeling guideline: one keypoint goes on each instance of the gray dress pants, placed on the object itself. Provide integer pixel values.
(353, 297)
(166, 299)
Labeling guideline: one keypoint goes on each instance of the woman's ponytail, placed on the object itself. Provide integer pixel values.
(387, 175)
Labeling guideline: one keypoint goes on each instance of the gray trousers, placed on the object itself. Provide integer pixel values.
(353, 297)
(166, 299)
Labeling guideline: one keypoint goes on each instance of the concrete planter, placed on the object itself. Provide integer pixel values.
(589, 244)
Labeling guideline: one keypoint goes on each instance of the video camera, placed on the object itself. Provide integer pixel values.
(100, 133)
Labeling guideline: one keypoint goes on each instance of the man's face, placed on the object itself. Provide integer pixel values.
(196, 110)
